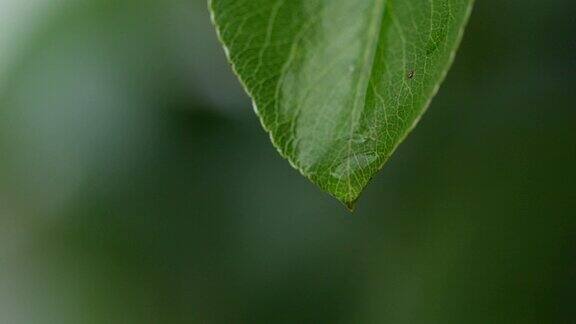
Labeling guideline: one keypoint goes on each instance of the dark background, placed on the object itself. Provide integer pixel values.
(137, 186)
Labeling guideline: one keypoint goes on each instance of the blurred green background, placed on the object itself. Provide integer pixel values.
(137, 186)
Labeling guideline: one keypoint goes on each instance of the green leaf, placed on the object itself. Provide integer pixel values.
(339, 84)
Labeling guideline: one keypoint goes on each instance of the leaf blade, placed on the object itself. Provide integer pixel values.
(339, 84)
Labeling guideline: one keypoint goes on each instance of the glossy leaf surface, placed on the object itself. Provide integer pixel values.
(339, 84)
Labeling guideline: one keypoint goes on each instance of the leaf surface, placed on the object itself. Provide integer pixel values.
(339, 84)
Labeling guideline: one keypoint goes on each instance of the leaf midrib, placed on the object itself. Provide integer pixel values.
(361, 93)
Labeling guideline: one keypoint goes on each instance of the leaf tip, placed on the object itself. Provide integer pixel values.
(350, 205)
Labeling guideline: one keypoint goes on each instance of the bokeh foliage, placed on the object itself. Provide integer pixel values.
(136, 185)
